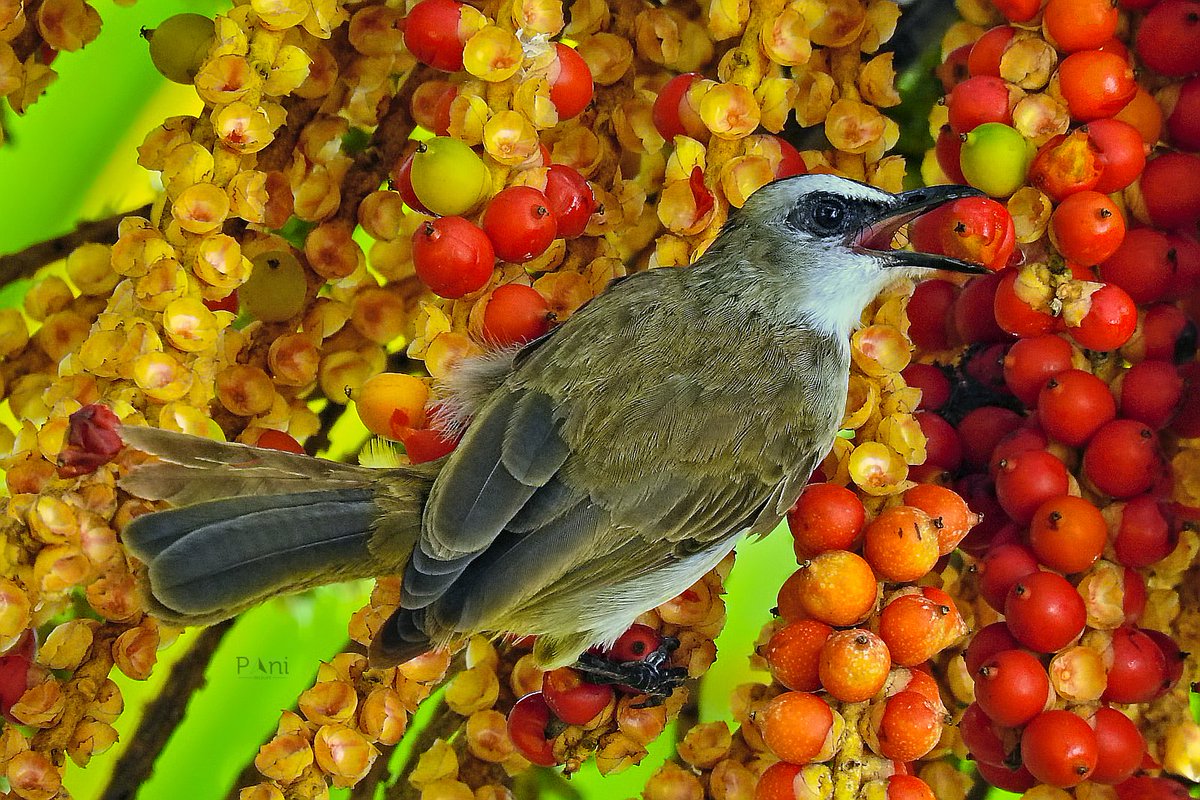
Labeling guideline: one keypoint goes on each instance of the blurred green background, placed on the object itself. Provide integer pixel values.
(73, 157)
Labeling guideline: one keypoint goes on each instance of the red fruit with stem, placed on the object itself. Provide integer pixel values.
(1015, 315)
(1122, 458)
(519, 223)
(1000, 570)
(793, 654)
(453, 256)
(1087, 228)
(974, 311)
(1059, 748)
(1066, 164)
(906, 726)
(1026, 481)
(1068, 534)
(1012, 687)
(982, 429)
(978, 100)
(1044, 612)
(1031, 361)
(1073, 405)
(1168, 39)
(987, 642)
(92, 440)
(515, 314)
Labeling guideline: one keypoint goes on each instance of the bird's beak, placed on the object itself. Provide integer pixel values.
(877, 237)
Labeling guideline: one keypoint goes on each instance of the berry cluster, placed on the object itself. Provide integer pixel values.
(1067, 423)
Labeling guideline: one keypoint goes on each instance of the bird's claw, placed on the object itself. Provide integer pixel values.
(653, 675)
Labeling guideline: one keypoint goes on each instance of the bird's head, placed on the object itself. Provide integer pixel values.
(826, 242)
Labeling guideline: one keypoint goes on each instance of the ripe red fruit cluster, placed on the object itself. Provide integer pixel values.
(456, 256)
(567, 697)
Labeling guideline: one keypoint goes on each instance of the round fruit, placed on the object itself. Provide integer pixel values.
(1059, 748)
(515, 314)
(452, 256)
(390, 402)
(570, 82)
(1012, 688)
(1068, 534)
(995, 158)
(1168, 39)
(1044, 612)
(277, 287)
(1095, 84)
(447, 176)
(179, 45)
(519, 223)
(826, 517)
(431, 34)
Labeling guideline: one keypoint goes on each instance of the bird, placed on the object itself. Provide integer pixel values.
(603, 468)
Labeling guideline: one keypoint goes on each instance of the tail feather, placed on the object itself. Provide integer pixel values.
(211, 561)
(193, 469)
(257, 523)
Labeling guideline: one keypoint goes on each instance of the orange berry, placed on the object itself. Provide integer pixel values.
(854, 665)
(391, 401)
(910, 625)
(777, 782)
(908, 787)
(826, 517)
(789, 603)
(800, 727)
(951, 516)
(793, 653)
(901, 544)
(904, 727)
(837, 588)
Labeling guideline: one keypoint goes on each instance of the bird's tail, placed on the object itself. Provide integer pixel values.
(252, 523)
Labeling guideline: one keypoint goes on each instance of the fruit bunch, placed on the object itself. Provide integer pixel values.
(1056, 392)
(368, 183)
(32, 33)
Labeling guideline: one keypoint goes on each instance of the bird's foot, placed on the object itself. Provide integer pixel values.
(652, 675)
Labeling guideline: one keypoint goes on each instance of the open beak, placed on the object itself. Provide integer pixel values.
(877, 237)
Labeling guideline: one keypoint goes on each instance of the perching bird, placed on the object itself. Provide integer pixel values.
(606, 467)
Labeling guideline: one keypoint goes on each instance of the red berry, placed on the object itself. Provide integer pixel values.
(943, 445)
(515, 314)
(672, 115)
(1109, 322)
(1031, 361)
(1080, 24)
(1066, 164)
(519, 223)
(1122, 458)
(906, 725)
(1144, 535)
(987, 642)
(1095, 84)
(1142, 265)
(1087, 228)
(1015, 315)
(1138, 669)
(571, 698)
(527, 729)
(570, 198)
(979, 734)
(793, 654)
(974, 311)
(982, 429)
(1168, 39)
(453, 256)
(988, 49)
(1026, 481)
(933, 383)
(570, 82)
(1170, 185)
(777, 782)
(1068, 534)
(1004, 777)
(92, 440)
(431, 34)
(635, 644)
(1012, 687)
(1044, 612)
(1119, 746)
(1122, 153)
(1151, 392)
(1000, 570)
(1073, 405)
(826, 517)
(1059, 748)
(929, 314)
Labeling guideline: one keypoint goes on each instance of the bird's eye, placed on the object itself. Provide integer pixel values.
(829, 214)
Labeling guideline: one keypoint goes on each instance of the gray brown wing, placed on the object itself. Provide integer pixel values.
(589, 450)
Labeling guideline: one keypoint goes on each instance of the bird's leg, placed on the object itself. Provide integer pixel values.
(653, 675)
